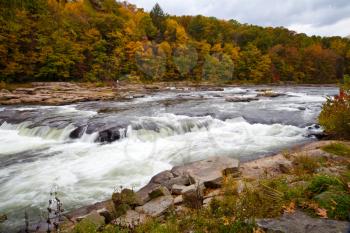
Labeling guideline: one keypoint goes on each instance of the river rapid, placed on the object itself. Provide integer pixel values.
(86, 150)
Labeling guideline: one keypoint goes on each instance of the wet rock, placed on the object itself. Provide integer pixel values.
(156, 207)
(270, 94)
(131, 219)
(3, 218)
(111, 135)
(299, 222)
(302, 108)
(78, 132)
(240, 99)
(210, 172)
(150, 191)
(138, 96)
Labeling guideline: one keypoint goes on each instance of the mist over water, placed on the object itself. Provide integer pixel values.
(126, 143)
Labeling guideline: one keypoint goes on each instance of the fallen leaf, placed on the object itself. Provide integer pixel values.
(321, 212)
(290, 208)
(258, 230)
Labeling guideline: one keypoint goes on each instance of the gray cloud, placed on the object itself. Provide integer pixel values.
(319, 17)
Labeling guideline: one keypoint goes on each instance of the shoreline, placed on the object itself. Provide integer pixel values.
(169, 190)
(270, 165)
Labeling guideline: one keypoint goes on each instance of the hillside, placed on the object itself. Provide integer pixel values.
(93, 41)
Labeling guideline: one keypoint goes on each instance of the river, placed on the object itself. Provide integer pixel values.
(86, 150)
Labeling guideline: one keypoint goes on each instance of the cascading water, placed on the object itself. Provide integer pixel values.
(134, 140)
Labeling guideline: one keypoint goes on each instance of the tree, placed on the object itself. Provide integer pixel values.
(158, 18)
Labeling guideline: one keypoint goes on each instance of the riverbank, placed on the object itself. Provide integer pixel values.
(61, 93)
(283, 190)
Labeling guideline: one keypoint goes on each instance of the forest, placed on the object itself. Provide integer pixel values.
(107, 40)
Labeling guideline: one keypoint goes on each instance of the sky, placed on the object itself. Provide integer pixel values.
(313, 17)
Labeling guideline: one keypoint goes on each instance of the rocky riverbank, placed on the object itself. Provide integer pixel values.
(60, 93)
(196, 185)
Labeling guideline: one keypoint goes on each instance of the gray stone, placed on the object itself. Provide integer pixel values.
(209, 171)
(193, 195)
(151, 191)
(162, 177)
(156, 207)
(131, 219)
(240, 99)
(177, 189)
(299, 222)
(93, 217)
(180, 180)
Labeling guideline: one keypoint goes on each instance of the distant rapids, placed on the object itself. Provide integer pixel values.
(88, 149)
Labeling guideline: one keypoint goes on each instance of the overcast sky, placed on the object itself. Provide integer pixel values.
(313, 17)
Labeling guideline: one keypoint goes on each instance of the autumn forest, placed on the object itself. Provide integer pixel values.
(107, 40)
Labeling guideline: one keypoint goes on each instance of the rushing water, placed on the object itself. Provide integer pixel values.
(88, 149)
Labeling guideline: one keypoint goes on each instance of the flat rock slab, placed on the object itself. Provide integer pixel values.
(156, 207)
(299, 222)
(209, 171)
(130, 219)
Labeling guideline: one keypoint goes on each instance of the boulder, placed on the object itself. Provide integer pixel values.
(240, 99)
(150, 191)
(93, 217)
(3, 218)
(299, 222)
(131, 219)
(177, 189)
(162, 177)
(210, 172)
(180, 180)
(270, 94)
(86, 210)
(156, 207)
(193, 195)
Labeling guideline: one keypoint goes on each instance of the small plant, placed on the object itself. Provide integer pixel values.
(305, 164)
(322, 183)
(337, 149)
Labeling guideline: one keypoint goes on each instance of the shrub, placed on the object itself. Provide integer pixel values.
(335, 115)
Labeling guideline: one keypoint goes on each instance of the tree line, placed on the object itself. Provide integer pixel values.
(106, 40)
